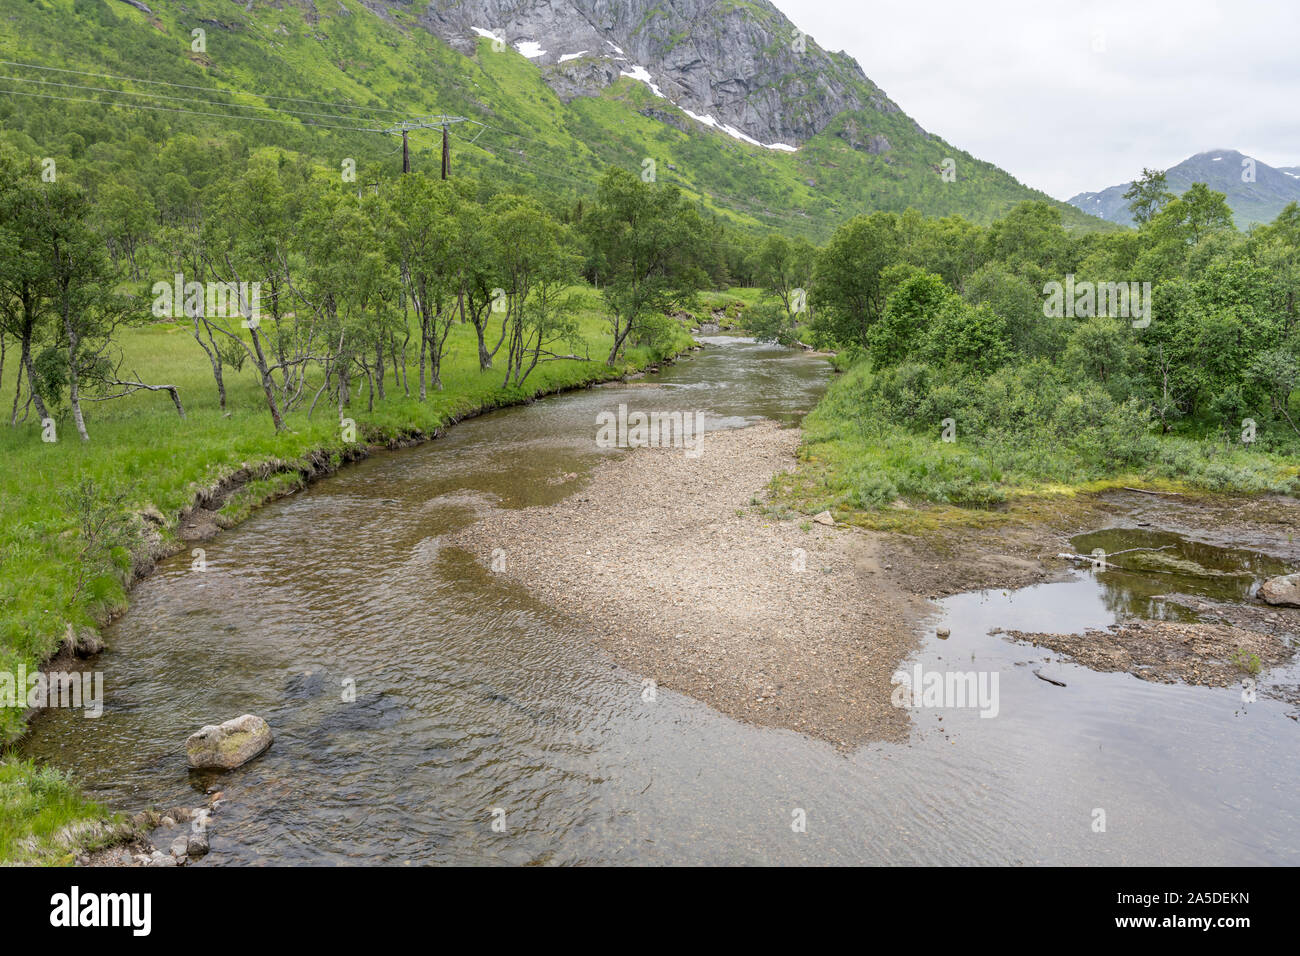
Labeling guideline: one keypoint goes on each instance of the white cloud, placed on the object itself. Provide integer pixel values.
(1075, 96)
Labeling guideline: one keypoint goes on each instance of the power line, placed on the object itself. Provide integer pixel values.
(442, 122)
(738, 206)
(537, 172)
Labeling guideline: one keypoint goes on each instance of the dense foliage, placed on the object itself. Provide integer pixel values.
(969, 382)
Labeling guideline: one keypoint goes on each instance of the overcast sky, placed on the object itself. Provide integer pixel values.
(1075, 95)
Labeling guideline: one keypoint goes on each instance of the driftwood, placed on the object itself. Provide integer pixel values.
(1106, 556)
(1145, 491)
(1103, 560)
(1049, 680)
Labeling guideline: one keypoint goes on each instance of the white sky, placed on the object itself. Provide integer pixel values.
(1018, 83)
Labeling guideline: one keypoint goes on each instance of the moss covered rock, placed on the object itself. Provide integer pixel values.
(229, 745)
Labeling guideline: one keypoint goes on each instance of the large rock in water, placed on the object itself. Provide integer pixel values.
(229, 745)
(1284, 590)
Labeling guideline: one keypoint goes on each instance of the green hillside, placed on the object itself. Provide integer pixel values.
(265, 75)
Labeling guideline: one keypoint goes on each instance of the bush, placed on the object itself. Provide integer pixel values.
(871, 489)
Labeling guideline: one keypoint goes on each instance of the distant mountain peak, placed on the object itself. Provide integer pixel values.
(1256, 192)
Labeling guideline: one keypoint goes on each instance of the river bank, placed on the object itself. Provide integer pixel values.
(177, 485)
(474, 690)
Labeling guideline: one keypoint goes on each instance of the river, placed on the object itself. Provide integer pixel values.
(486, 729)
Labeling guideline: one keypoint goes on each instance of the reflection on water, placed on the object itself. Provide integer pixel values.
(412, 694)
(1149, 573)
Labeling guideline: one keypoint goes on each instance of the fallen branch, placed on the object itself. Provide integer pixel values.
(1089, 559)
(1145, 491)
(1163, 547)
(137, 386)
(1049, 680)
(1105, 557)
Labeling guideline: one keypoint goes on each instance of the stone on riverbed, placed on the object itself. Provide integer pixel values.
(229, 745)
(1283, 591)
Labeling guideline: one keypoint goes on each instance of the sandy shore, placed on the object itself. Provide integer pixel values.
(684, 580)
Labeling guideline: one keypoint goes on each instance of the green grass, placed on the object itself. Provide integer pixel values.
(864, 465)
(139, 449)
(731, 302)
(43, 817)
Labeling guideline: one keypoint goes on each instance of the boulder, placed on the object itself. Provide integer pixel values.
(229, 745)
(824, 517)
(1283, 591)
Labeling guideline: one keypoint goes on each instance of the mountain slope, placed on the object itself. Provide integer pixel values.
(1257, 201)
(729, 102)
(744, 64)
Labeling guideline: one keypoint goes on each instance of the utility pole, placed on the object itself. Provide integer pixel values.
(442, 122)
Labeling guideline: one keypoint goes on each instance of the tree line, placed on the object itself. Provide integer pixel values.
(362, 283)
(351, 287)
(1222, 344)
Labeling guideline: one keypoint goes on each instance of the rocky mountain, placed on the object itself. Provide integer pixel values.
(1256, 191)
(739, 67)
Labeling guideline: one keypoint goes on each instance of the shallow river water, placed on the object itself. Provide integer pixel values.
(475, 704)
